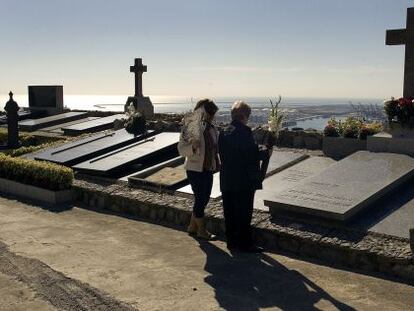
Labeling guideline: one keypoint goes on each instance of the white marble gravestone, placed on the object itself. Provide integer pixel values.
(346, 187)
(290, 177)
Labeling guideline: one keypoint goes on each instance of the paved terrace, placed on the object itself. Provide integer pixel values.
(84, 260)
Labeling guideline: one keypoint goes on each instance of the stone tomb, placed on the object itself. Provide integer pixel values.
(146, 152)
(166, 175)
(35, 124)
(289, 178)
(279, 161)
(96, 125)
(346, 187)
(89, 147)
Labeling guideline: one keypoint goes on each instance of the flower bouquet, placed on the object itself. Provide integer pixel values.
(400, 113)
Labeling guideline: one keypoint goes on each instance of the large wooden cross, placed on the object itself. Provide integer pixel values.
(138, 69)
(405, 36)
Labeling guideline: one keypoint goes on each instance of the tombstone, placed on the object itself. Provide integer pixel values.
(47, 98)
(141, 103)
(147, 152)
(90, 147)
(96, 125)
(346, 187)
(11, 109)
(279, 161)
(386, 142)
(289, 178)
(31, 125)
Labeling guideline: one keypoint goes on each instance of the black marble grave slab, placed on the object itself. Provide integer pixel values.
(89, 147)
(35, 124)
(153, 150)
(58, 128)
(92, 126)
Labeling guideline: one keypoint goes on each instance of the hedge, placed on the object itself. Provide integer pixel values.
(40, 174)
(27, 139)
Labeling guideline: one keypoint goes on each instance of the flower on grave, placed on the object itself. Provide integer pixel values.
(276, 116)
(352, 127)
(135, 123)
(400, 110)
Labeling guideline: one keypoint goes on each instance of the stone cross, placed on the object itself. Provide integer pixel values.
(138, 69)
(405, 36)
(12, 122)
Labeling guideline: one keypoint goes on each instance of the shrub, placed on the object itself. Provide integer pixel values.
(41, 174)
(331, 131)
(352, 127)
(27, 139)
(369, 130)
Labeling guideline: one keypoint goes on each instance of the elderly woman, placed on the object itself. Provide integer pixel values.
(240, 177)
(198, 143)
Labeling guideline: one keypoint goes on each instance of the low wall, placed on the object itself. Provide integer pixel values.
(366, 252)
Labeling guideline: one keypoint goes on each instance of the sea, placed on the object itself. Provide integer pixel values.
(181, 104)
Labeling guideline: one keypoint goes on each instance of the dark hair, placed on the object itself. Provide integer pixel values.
(209, 106)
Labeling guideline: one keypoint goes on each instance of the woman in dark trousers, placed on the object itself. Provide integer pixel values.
(240, 177)
(201, 152)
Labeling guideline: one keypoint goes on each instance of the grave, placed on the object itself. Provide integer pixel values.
(141, 103)
(147, 152)
(58, 128)
(47, 98)
(96, 125)
(279, 161)
(35, 124)
(386, 142)
(346, 187)
(89, 147)
(166, 175)
(289, 178)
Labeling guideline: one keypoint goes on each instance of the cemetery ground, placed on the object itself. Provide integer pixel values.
(76, 259)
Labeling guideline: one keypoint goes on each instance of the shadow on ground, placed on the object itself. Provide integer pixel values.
(254, 281)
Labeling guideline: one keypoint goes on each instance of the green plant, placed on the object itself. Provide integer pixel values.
(276, 116)
(331, 131)
(27, 139)
(41, 174)
(351, 127)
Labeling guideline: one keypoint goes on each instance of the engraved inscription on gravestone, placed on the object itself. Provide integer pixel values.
(346, 187)
(289, 178)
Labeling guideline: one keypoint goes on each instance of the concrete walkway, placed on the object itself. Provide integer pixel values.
(82, 260)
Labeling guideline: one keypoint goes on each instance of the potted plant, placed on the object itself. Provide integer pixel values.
(400, 114)
(342, 138)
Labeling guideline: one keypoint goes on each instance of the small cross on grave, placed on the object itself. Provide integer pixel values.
(138, 69)
(405, 36)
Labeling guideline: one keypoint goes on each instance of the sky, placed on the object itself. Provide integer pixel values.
(307, 48)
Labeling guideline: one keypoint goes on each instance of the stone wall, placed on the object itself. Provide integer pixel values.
(368, 252)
